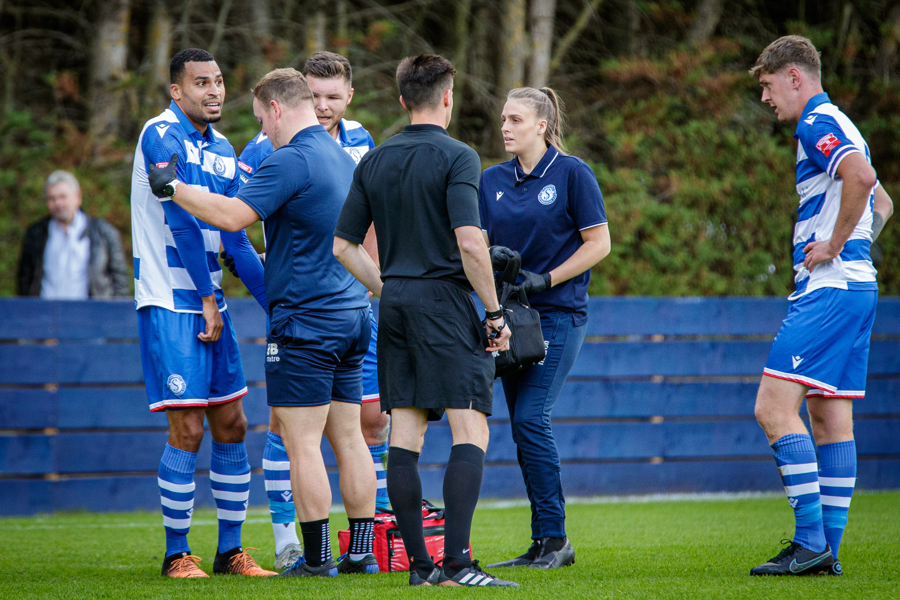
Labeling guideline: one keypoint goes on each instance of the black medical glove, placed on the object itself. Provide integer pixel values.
(159, 175)
(535, 283)
(500, 255)
(228, 261)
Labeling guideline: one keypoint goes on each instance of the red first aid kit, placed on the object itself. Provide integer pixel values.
(388, 545)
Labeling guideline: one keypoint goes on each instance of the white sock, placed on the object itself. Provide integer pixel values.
(285, 533)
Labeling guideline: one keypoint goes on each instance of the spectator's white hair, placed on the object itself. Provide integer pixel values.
(62, 177)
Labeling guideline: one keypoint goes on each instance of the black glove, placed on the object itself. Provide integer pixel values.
(161, 174)
(877, 254)
(228, 261)
(500, 255)
(535, 283)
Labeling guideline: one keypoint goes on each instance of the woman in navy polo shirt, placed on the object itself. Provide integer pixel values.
(547, 206)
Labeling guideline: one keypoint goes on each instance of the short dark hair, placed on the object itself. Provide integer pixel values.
(286, 86)
(423, 79)
(790, 50)
(176, 67)
(326, 65)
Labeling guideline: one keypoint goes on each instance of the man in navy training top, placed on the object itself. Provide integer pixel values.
(319, 314)
(822, 349)
(189, 352)
(330, 78)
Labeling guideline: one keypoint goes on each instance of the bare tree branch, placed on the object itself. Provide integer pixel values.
(581, 22)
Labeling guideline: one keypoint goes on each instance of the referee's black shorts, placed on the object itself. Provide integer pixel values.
(431, 348)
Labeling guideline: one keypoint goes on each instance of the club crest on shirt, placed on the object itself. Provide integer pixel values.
(219, 166)
(547, 195)
(176, 384)
(355, 153)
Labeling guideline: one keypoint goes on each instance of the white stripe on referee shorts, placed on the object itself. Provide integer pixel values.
(219, 478)
(801, 489)
(798, 469)
(178, 488)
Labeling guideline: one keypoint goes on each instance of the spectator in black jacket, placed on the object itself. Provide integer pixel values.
(69, 255)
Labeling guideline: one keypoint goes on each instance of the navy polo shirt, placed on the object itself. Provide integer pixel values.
(541, 215)
(299, 192)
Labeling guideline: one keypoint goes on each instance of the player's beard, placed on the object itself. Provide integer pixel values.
(196, 114)
(337, 121)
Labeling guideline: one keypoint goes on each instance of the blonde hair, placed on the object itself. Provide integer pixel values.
(288, 87)
(548, 107)
(789, 50)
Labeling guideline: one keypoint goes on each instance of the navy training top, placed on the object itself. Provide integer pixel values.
(542, 218)
(299, 191)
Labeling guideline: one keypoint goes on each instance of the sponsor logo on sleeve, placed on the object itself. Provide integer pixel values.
(828, 143)
(245, 167)
(162, 165)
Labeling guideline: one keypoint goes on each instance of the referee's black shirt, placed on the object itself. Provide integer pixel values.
(417, 187)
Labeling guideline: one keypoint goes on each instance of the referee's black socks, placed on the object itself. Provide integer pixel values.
(405, 491)
(462, 484)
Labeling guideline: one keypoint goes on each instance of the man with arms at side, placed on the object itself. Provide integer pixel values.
(319, 315)
(330, 78)
(189, 351)
(69, 255)
(821, 351)
(420, 188)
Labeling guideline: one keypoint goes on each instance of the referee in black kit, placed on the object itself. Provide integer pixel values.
(434, 355)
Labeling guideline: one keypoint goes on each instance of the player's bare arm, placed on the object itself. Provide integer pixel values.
(858, 177)
(882, 211)
(358, 262)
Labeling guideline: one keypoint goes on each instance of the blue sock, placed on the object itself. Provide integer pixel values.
(176, 494)
(229, 477)
(277, 471)
(795, 456)
(379, 454)
(837, 477)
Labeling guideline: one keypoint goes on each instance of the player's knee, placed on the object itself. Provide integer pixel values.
(376, 428)
(187, 436)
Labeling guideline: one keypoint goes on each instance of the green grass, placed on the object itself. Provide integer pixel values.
(684, 549)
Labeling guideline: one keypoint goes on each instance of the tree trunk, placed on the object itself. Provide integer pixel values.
(542, 17)
(706, 19)
(590, 9)
(315, 28)
(460, 59)
(158, 55)
(513, 49)
(887, 56)
(110, 53)
(342, 35)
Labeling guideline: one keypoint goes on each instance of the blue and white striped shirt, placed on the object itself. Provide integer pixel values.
(826, 137)
(175, 253)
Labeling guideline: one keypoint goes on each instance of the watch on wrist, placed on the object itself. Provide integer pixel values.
(492, 315)
(169, 190)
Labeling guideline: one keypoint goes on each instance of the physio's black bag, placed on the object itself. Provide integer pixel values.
(526, 347)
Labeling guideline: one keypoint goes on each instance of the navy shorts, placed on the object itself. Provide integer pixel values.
(180, 371)
(315, 357)
(824, 342)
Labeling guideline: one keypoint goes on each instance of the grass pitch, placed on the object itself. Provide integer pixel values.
(657, 549)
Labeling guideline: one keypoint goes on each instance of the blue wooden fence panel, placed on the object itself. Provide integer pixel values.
(660, 400)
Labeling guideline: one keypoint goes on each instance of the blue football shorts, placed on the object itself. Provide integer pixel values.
(180, 371)
(370, 366)
(824, 342)
(315, 357)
